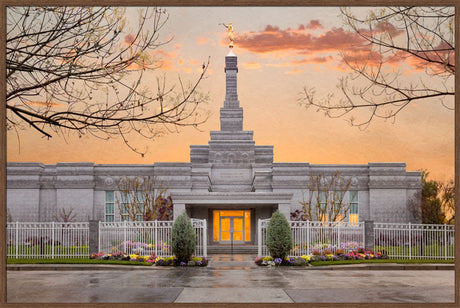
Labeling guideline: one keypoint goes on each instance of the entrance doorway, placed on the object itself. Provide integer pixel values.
(232, 226)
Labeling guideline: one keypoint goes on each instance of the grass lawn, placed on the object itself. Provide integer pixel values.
(74, 261)
(398, 261)
(114, 262)
(426, 250)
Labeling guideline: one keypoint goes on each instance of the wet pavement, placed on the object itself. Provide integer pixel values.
(229, 279)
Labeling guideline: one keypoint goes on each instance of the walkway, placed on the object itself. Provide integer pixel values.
(232, 279)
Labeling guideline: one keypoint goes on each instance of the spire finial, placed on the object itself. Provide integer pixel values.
(230, 33)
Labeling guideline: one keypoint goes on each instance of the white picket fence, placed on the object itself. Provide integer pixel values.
(146, 237)
(71, 240)
(316, 235)
(397, 240)
(47, 239)
(415, 241)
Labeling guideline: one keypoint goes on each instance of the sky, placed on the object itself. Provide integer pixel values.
(280, 51)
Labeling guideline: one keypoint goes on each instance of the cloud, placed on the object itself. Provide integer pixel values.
(295, 71)
(251, 65)
(202, 40)
(166, 65)
(43, 104)
(314, 24)
(129, 39)
(273, 39)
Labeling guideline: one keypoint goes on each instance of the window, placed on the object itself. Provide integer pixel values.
(109, 206)
(124, 207)
(140, 201)
(354, 206)
(323, 206)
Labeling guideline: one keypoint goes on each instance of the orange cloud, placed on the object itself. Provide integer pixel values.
(129, 39)
(251, 65)
(194, 62)
(203, 40)
(272, 39)
(43, 104)
(295, 71)
(167, 65)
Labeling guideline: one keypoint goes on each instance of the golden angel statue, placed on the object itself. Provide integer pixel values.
(230, 33)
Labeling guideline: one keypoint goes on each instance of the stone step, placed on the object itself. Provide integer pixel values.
(227, 249)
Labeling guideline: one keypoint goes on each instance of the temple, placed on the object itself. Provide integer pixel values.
(231, 182)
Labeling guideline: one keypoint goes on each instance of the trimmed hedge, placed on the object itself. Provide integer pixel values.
(183, 238)
(279, 236)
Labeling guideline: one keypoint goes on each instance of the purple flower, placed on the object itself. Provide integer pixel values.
(278, 261)
(183, 264)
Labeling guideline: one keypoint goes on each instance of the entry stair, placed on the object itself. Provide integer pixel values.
(237, 249)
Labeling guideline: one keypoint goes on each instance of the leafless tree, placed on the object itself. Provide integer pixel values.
(326, 198)
(422, 37)
(80, 69)
(66, 215)
(143, 198)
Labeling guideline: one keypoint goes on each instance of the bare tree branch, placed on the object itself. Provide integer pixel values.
(61, 62)
(391, 39)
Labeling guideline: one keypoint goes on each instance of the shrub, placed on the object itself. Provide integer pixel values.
(183, 238)
(279, 236)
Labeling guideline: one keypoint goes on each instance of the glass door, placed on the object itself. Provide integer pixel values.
(232, 226)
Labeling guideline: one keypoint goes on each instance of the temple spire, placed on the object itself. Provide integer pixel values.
(231, 115)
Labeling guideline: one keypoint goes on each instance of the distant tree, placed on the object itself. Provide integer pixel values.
(448, 199)
(81, 69)
(143, 199)
(279, 236)
(421, 36)
(183, 238)
(326, 199)
(433, 202)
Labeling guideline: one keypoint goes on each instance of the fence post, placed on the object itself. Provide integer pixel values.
(205, 239)
(307, 247)
(155, 230)
(16, 240)
(445, 242)
(410, 242)
(99, 235)
(124, 235)
(338, 235)
(52, 239)
(369, 235)
(259, 238)
(94, 240)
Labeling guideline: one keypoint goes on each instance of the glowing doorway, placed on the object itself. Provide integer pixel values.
(232, 225)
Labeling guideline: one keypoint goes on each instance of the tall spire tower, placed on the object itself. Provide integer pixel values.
(231, 115)
(231, 145)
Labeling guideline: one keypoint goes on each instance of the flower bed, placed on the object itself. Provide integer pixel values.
(317, 255)
(172, 261)
(153, 259)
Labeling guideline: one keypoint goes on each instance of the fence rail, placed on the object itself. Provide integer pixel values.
(415, 241)
(398, 241)
(47, 239)
(145, 237)
(309, 236)
(71, 240)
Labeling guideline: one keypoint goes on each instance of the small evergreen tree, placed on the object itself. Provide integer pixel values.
(183, 238)
(279, 236)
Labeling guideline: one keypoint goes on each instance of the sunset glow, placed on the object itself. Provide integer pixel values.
(280, 51)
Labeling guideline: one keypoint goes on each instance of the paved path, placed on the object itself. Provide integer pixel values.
(230, 279)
